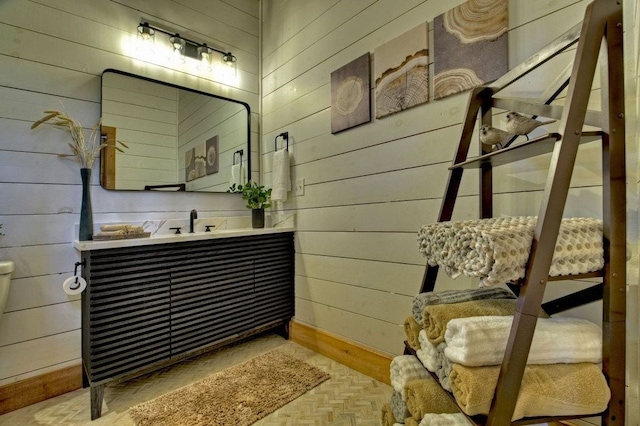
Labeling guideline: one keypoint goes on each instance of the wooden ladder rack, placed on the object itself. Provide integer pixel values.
(602, 21)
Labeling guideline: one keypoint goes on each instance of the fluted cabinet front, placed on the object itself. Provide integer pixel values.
(147, 306)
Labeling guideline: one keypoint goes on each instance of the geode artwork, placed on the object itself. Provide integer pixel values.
(350, 99)
(470, 46)
(402, 72)
(189, 165)
(212, 157)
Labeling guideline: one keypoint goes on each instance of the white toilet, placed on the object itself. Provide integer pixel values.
(6, 268)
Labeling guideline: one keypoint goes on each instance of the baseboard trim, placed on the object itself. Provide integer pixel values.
(39, 388)
(351, 354)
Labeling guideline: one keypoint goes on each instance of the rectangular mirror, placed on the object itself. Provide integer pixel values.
(177, 139)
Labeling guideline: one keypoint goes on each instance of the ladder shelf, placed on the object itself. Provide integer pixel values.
(602, 22)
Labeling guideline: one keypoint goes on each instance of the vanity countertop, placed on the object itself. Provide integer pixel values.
(177, 238)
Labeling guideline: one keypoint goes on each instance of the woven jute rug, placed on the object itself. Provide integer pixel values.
(239, 395)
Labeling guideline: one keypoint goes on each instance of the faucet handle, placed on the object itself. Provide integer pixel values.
(208, 228)
(177, 230)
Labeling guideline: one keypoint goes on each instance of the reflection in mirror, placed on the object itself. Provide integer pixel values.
(178, 139)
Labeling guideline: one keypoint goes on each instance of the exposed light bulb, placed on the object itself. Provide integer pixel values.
(178, 45)
(204, 64)
(146, 39)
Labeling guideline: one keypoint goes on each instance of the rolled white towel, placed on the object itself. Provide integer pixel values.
(480, 341)
(444, 419)
(427, 354)
(405, 368)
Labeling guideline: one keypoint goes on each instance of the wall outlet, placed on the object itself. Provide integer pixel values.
(298, 190)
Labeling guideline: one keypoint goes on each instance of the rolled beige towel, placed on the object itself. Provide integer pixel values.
(412, 330)
(436, 317)
(387, 416)
(546, 390)
(111, 233)
(427, 396)
(115, 227)
(135, 230)
(411, 421)
(124, 228)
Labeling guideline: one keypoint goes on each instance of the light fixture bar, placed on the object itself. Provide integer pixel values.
(192, 48)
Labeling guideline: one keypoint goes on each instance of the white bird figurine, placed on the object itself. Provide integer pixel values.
(520, 125)
(492, 136)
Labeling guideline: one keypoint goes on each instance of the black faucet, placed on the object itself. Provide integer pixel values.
(193, 216)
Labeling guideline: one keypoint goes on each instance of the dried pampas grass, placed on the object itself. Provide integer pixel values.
(85, 152)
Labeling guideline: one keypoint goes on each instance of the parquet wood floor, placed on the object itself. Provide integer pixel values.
(348, 398)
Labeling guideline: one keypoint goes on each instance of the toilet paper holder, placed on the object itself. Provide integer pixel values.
(75, 274)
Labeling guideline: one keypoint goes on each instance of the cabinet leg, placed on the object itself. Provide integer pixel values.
(97, 394)
(283, 330)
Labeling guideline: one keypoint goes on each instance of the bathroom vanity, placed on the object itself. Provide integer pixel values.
(154, 301)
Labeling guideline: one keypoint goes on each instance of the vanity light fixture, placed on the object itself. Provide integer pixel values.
(230, 61)
(204, 52)
(178, 45)
(183, 47)
(146, 38)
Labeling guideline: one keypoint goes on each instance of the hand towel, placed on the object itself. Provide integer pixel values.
(426, 396)
(281, 181)
(411, 330)
(445, 419)
(399, 407)
(436, 317)
(478, 341)
(404, 368)
(456, 296)
(546, 390)
(387, 416)
(237, 175)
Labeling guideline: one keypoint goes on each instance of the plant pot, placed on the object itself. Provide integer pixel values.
(86, 215)
(257, 218)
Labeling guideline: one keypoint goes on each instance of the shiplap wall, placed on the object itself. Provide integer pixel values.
(145, 115)
(53, 55)
(195, 115)
(370, 188)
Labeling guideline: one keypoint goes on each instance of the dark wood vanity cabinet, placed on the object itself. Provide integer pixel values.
(148, 306)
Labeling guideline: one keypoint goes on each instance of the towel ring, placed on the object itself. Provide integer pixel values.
(283, 135)
(241, 152)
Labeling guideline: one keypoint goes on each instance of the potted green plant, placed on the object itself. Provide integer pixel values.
(257, 197)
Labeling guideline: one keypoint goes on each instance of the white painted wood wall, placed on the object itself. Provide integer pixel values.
(368, 189)
(145, 116)
(53, 54)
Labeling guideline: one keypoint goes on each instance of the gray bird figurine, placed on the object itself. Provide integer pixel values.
(520, 125)
(492, 136)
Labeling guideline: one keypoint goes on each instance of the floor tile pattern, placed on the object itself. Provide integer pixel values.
(348, 398)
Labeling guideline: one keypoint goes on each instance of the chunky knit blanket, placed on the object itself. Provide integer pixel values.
(496, 250)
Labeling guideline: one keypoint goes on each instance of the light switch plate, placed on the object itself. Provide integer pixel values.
(299, 188)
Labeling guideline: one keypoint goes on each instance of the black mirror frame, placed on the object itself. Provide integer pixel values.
(175, 86)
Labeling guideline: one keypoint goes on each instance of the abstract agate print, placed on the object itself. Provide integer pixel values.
(350, 99)
(402, 72)
(470, 46)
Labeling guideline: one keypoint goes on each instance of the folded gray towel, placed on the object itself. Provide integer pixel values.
(399, 407)
(456, 296)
